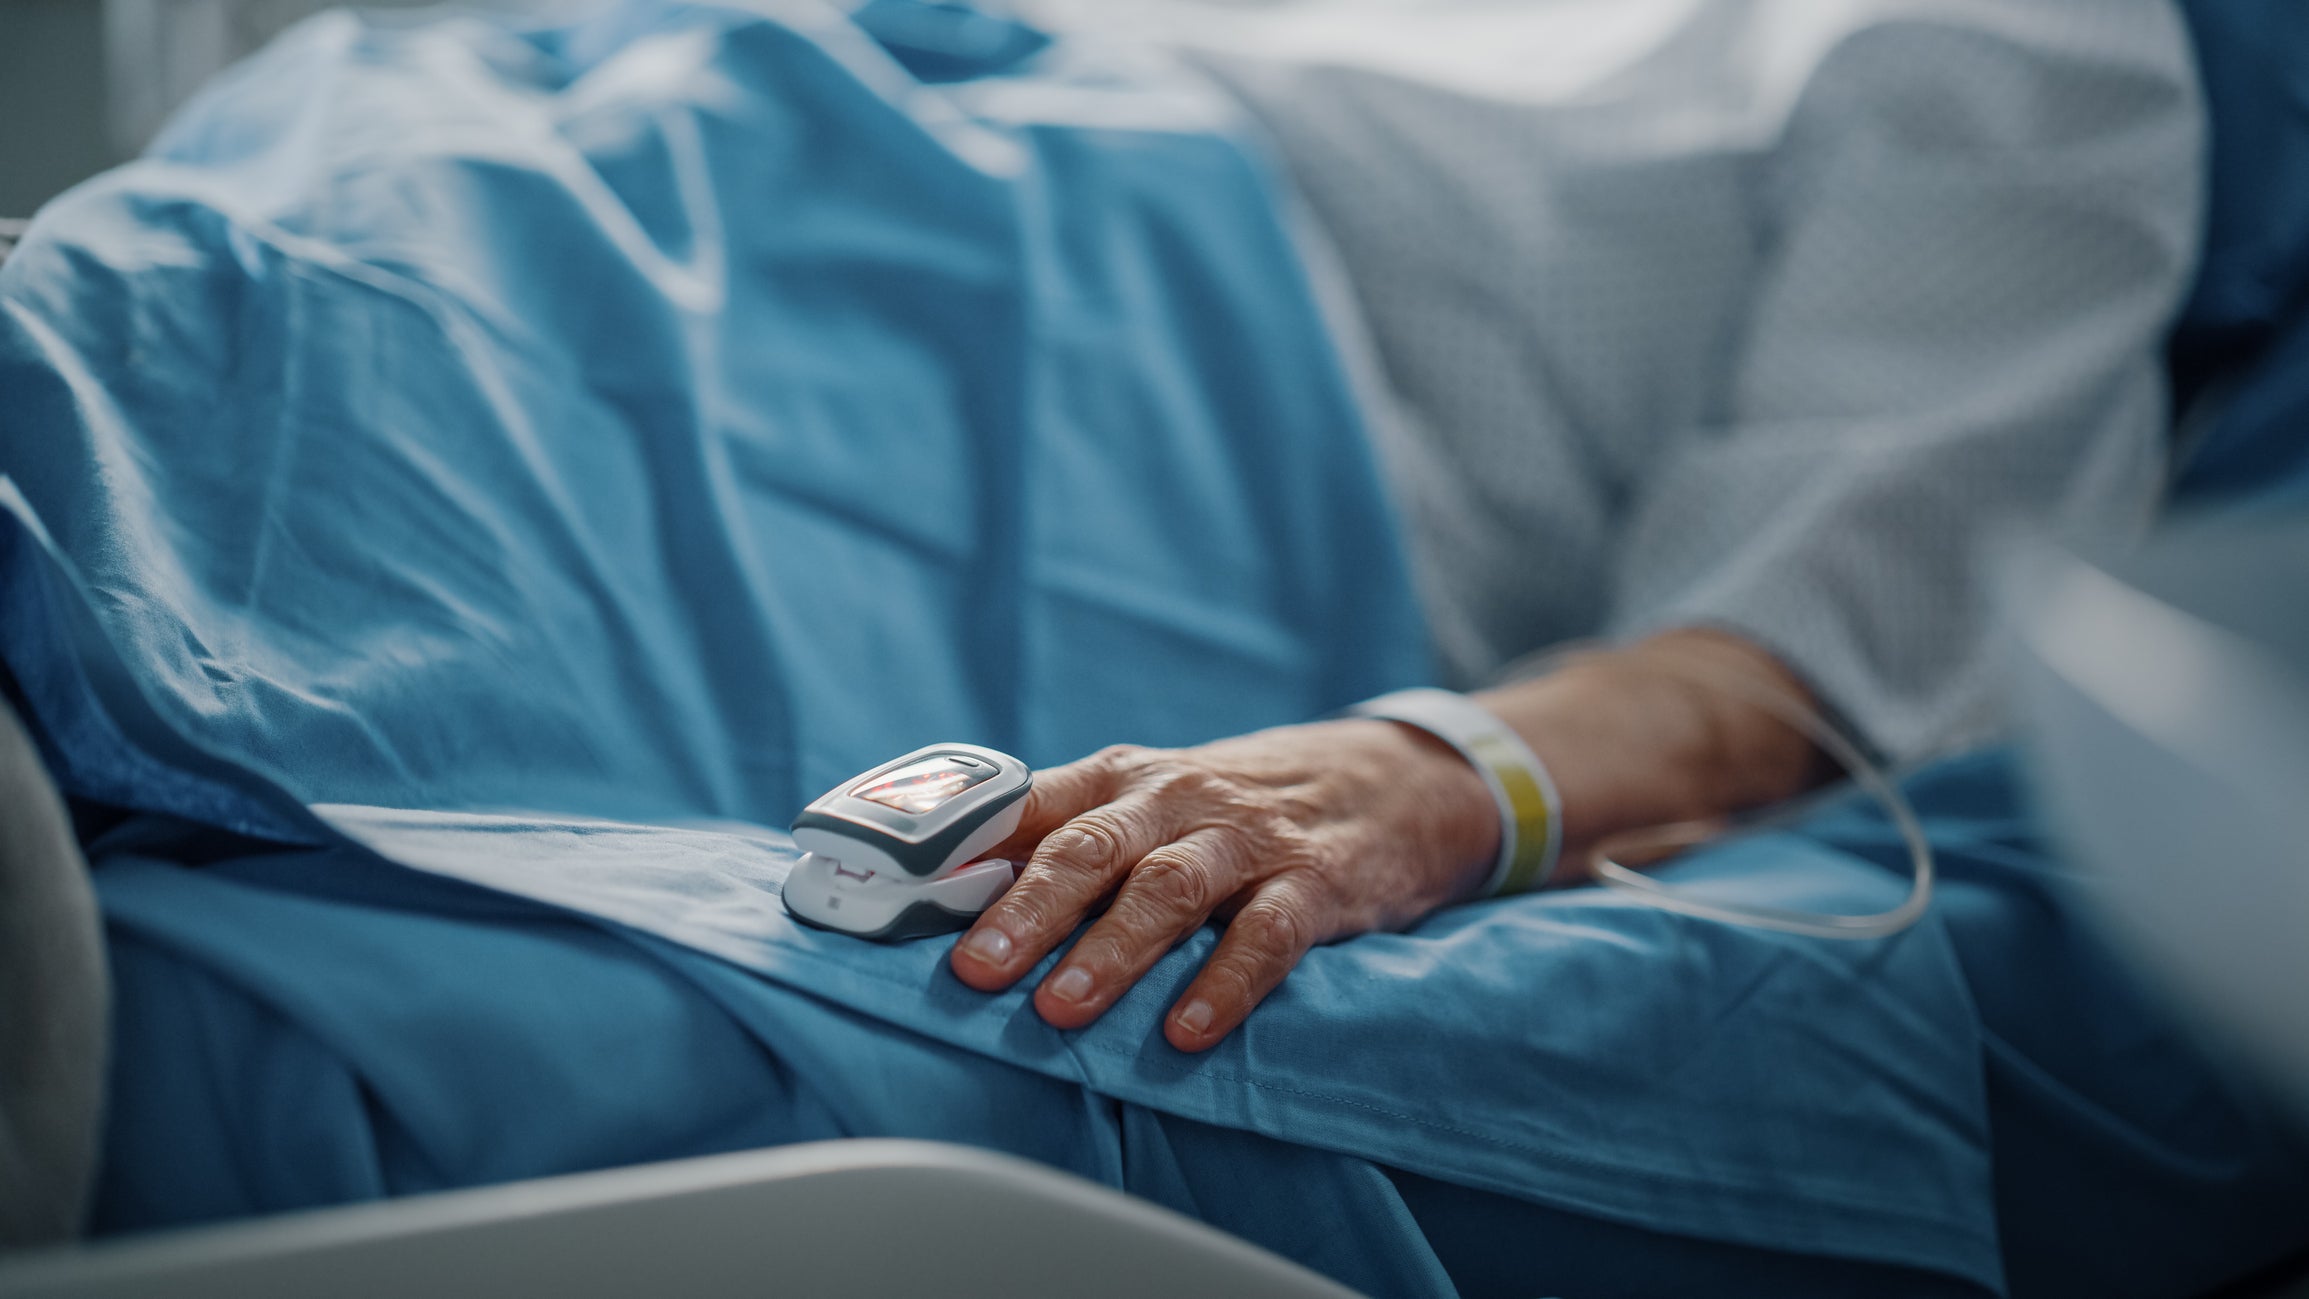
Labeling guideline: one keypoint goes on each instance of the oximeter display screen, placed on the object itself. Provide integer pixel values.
(923, 786)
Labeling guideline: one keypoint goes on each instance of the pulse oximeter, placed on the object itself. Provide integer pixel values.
(892, 853)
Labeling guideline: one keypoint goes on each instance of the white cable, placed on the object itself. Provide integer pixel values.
(1864, 773)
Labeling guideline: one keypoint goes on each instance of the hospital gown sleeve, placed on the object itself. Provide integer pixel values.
(1977, 222)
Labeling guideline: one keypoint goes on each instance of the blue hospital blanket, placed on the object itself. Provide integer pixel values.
(542, 457)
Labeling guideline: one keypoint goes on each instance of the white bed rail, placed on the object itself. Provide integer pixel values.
(832, 1218)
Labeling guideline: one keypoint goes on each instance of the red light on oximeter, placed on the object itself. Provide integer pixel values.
(920, 787)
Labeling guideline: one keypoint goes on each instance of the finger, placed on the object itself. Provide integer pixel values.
(987, 958)
(1167, 895)
(1073, 868)
(1266, 938)
(1063, 793)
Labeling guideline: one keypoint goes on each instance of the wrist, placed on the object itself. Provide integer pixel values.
(1526, 808)
(1454, 819)
(1638, 737)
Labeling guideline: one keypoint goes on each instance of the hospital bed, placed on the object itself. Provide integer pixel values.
(885, 1217)
(782, 1204)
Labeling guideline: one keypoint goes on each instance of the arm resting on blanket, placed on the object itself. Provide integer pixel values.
(1306, 834)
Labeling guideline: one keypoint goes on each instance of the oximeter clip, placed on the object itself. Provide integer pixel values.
(892, 853)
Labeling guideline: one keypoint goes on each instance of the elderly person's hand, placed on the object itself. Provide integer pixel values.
(1305, 834)
(1300, 834)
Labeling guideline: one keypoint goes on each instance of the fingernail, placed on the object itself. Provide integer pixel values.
(989, 945)
(1196, 1017)
(1071, 984)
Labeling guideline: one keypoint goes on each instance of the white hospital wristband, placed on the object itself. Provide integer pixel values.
(1530, 820)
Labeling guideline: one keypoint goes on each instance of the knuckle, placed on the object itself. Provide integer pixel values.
(1298, 807)
(1154, 779)
(1300, 855)
(1092, 840)
(1120, 757)
(1174, 882)
(1280, 830)
(1183, 779)
(1274, 927)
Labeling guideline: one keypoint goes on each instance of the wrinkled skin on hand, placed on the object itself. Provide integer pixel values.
(1296, 836)
(1306, 834)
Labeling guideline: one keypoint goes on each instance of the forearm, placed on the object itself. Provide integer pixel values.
(1305, 834)
(1649, 734)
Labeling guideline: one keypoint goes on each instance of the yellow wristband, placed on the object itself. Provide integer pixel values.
(1530, 820)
